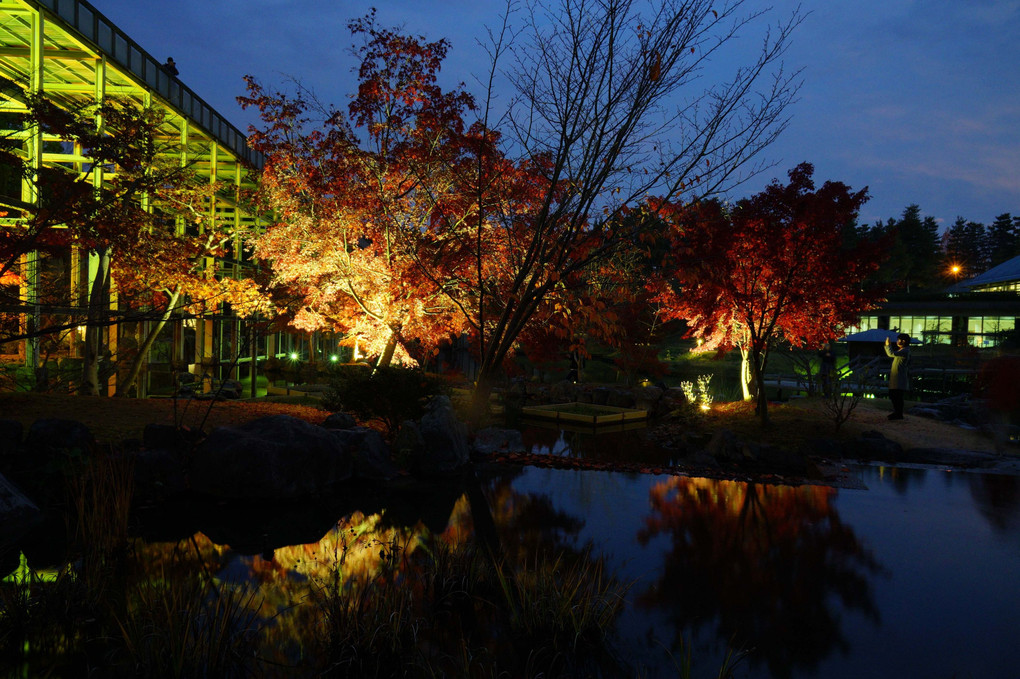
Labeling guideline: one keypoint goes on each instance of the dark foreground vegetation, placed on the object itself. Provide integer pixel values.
(365, 603)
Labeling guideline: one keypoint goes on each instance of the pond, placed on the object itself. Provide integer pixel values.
(913, 574)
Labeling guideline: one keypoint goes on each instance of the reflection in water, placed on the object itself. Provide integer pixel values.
(390, 564)
(765, 566)
(998, 500)
(608, 443)
(368, 552)
(812, 581)
(903, 479)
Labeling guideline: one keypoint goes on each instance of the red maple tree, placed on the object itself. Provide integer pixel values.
(771, 267)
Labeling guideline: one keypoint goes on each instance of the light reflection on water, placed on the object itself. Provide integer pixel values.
(915, 576)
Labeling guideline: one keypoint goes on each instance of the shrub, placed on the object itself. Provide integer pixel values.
(385, 395)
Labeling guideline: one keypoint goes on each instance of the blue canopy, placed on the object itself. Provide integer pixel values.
(875, 335)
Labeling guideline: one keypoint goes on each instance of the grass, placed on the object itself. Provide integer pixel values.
(113, 420)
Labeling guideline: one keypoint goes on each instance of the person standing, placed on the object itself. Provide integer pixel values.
(899, 373)
(827, 370)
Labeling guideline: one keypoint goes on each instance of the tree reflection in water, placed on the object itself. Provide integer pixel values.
(459, 607)
(765, 566)
(998, 499)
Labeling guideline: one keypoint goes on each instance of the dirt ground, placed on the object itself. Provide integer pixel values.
(910, 432)
(113, 420)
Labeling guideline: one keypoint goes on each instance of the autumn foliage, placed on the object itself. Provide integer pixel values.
(771, 267)
(357, 195)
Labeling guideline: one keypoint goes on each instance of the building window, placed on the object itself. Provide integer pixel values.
(1010, 286)
(929, 329)
(866, 323)
(983, 331)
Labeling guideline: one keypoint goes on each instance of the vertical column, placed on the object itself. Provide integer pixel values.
(210, 330)
(111, 333)
(142, 326)
(75, 283)
(180, 331)
(30, 194)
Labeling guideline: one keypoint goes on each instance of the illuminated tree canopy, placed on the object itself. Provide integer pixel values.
(771, 267)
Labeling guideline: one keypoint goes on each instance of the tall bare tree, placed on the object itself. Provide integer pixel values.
(614, 100)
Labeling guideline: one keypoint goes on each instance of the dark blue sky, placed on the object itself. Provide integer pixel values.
(917, 99)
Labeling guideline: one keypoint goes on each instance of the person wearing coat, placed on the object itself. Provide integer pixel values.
(899, 374)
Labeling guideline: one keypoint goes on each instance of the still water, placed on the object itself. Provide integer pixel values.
(916, 575)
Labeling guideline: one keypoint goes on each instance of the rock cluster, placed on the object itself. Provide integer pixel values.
(270, 459)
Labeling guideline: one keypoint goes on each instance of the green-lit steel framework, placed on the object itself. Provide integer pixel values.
(68, 51)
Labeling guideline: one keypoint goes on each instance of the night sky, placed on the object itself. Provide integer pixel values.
(917, 99)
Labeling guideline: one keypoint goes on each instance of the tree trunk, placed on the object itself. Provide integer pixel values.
(746, 373)
(386, 357)
(253, 352)
(93, 328)
(762, 404)
(480, 397)
(123, 389)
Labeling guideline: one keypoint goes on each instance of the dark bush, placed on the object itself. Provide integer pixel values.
(386, 395)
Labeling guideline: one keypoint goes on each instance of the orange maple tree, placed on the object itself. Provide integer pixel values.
(356, 194)
(397, 221)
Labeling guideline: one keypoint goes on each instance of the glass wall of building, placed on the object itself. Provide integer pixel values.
(984, 331)
(929, 329)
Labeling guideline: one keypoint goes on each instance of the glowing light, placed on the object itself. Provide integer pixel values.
(334, 358)
(293, 357)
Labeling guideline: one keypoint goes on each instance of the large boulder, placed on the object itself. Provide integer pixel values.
(783, 460)
(170, 437)
(340, 420)
(618, 398)
(273, 457)
(649, 399)
(159, 473)
(724, 446)
(446, 441)
(408, 444)
(563, 391)
(873, 445)
(371, 456)
(11, 433)
(162, 460)
(52, 435)
(18, 514)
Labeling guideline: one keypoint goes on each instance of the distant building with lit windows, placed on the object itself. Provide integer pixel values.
(975, 312)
